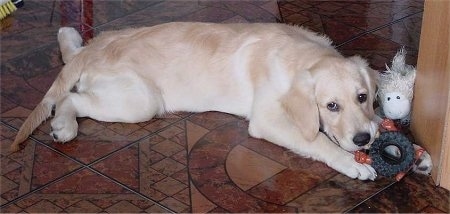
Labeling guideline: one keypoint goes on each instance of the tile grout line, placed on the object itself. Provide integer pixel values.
(365, 32)
(374, 29)
(108, 22)
(41, 187)
(38, 49)
(105, 156)
(89, 166)
(128, 188)
(370, 197)
(136, 141)
(82, 167)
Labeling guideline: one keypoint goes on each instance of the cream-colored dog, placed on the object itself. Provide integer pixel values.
(287, 81)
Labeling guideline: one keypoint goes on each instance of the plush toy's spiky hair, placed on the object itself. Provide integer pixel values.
(399, 64)
(399, 77)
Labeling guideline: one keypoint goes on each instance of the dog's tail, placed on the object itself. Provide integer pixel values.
(70, 45)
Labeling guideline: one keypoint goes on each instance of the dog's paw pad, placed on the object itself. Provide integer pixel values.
(63, 130)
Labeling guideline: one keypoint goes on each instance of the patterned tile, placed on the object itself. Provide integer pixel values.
(84, 182)
(83, 206)
(276, 190)
(176, 205)
(83, 203)
(247, 168)
(168, 166)
(122, 166)
(123, 207)
(98, 139)
(41, 206)
(200, 204)
(29, 169)
(154, 166)
(49, 165)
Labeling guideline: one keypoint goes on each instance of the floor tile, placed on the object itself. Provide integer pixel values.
(412, 194)
(365, 10)
(276, 191)
(98, 139)
(377, 50)
(310, 20)
(88, 203)
(247, 168)
(252, 11)
(154, 166)
(323, 197)
(31, 168)
(123, 166)
(406, 31)
(35, 26)
(19, 78)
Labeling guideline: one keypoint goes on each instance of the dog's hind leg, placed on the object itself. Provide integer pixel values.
(114, 99)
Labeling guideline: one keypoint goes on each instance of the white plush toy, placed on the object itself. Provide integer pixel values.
(394, 95)
(395, 89)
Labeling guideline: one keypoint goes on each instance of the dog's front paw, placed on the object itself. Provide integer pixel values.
(349, 167)
(63, 129)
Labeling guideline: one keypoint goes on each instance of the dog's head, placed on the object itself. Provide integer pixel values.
(335, 96)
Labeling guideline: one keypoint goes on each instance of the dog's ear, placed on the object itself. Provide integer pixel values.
(370, 76)
(300, 106)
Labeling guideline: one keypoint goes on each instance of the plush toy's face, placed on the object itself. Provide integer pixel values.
(395, 105)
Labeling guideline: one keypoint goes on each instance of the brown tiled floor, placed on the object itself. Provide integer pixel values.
(188, 162)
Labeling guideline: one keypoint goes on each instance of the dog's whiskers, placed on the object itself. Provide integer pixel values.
(334, 139)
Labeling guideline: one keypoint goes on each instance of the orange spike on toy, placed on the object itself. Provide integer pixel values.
(400, 175)
(389, 125)
(362, 157)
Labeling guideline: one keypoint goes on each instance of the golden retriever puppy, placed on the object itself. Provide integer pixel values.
(295, 89)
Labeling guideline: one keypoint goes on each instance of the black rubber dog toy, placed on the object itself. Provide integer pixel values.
(387, 164)
(382, 159)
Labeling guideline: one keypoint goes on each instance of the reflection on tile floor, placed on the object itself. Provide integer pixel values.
(186, 162)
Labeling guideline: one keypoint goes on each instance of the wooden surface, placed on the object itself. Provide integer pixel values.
(431, 111)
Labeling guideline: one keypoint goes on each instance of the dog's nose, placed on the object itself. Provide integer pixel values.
(361, 139)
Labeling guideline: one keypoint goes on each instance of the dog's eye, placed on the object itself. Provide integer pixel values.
(362, 98)
(334, 107)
